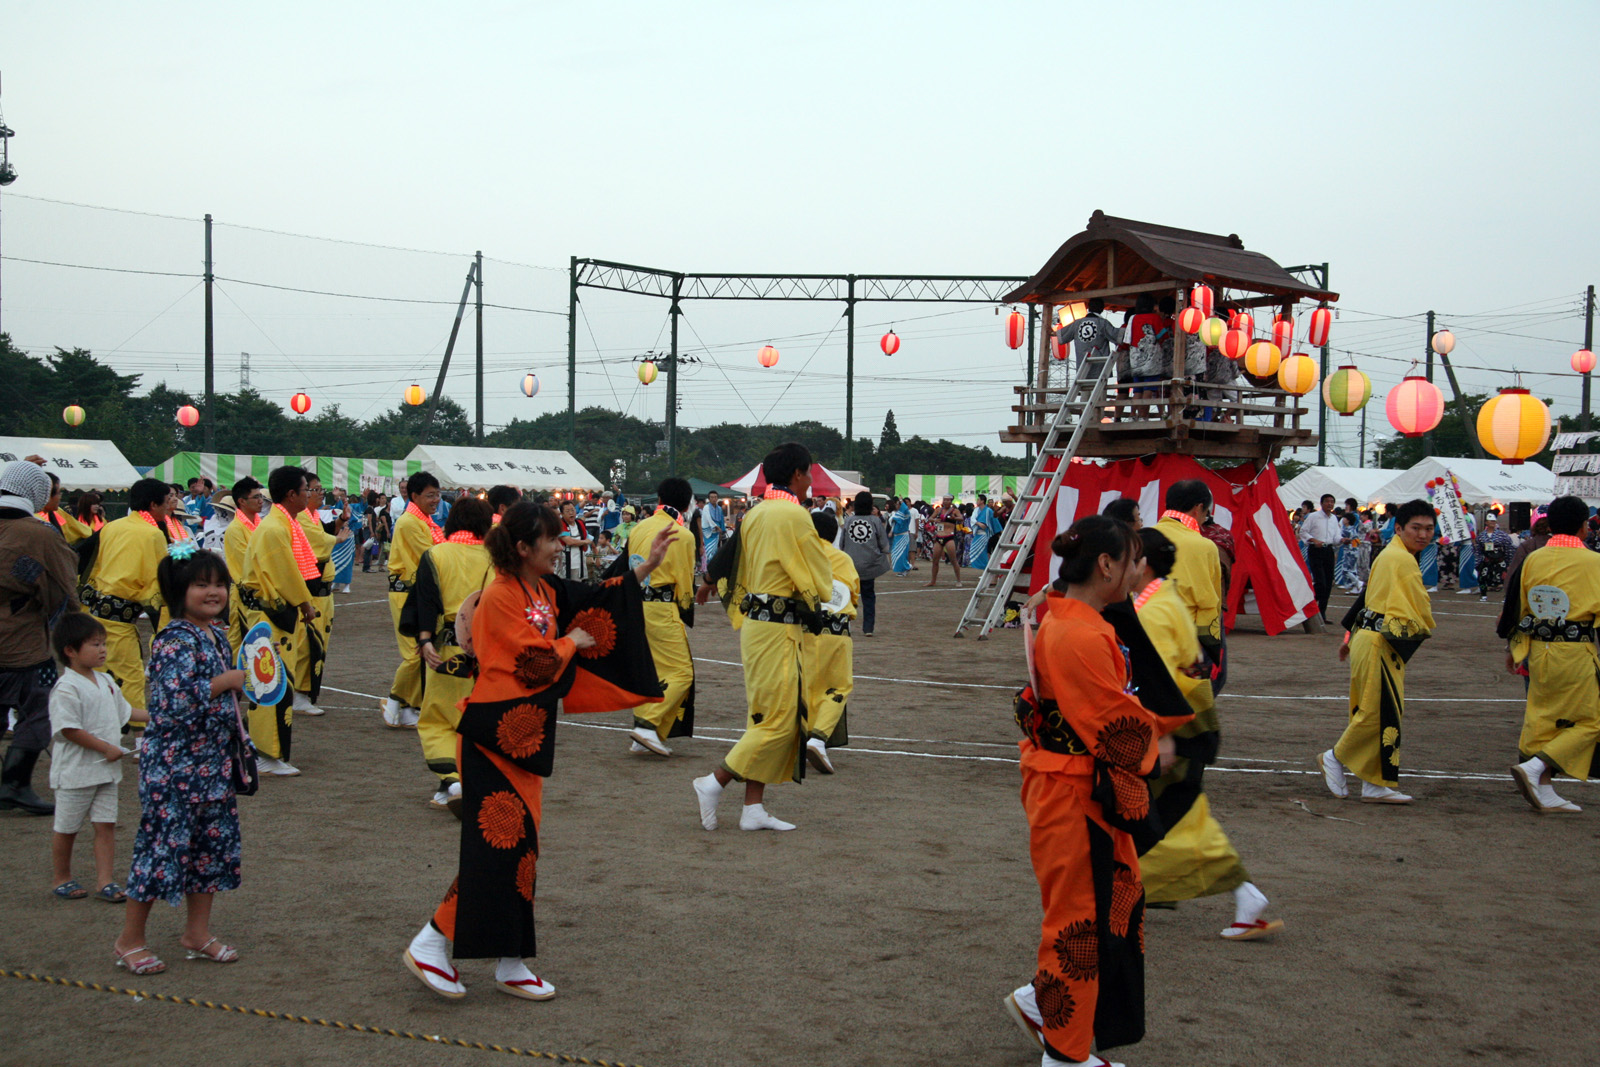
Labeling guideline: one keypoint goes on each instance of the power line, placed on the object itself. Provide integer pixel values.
(85, 266)
(101, 207)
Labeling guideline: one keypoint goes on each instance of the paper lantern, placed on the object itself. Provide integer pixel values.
(768, 356)
(72, 415)
(1347, 390)
(1067, 314)
(1016, 329)
(530, 385)
(1235, 343)
(1243, 321)
(1211, 331)
(1058, 344)
(1262, 358)
(1191, 319)
(1443, 342)
(1297, 374)
(188, 415)
(1583, 361)
(1283, 333)
(1321, 320)
(1201, 297)
(1514, 425)
(1415, 406)
(889, 343)
(414, 395)
(300, 403)
(647, 372)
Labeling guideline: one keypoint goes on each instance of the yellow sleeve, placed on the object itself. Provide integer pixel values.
(1166, 622)
(411, 540)
(73, 530)
(1396, 591)
(807, 565)
(269, 566)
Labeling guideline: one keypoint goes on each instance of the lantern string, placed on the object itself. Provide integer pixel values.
(736, 390)
(152, 322)
(802, 370)
(594, 341)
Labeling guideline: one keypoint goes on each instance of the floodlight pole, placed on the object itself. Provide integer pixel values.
(477, 266)
(211, 367)
(572, 355)
(672, 380)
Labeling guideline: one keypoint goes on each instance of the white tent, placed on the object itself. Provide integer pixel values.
(79, 464)
(531, 470)
(1483, 481)
(1363, 483)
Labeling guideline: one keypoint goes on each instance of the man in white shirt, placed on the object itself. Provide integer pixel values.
(1322, 532)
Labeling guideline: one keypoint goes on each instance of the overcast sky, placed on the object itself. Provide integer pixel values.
(1436, 155)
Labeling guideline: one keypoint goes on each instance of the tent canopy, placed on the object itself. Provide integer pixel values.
(1363, 483)
(529, 469)
(79, 464)
(701, 487)
(223, 468)
(824, 482)
(1483, 481)
(934, 486)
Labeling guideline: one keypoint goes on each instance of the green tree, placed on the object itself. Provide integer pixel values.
(249, 424)
(891, 432)
(394, 434)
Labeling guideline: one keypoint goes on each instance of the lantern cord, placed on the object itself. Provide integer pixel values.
(802, 370)
(147, 325)
(595, 341)
(383, 299)
(736, 390)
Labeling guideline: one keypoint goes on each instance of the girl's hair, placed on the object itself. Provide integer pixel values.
(1091, 537)
(1159, 552)
(175, 576)
(86, 503)
(469, 514)
(523, 523)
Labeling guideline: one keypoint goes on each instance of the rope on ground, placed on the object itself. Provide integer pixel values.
(332, 1024)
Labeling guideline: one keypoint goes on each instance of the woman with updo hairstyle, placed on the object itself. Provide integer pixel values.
(1088, 743)
(543, 644)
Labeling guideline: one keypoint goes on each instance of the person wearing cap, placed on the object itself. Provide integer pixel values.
(37, 578)
(630, 519)
(610, 510)
(120, 584)
(71, 529)
(214, 534)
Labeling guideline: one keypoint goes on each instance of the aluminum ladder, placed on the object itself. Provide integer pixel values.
(1080, 407)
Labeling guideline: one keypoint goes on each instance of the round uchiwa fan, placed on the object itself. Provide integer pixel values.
(840, 598)
(265, 679)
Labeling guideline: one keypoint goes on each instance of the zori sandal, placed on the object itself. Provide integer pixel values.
(70, 891)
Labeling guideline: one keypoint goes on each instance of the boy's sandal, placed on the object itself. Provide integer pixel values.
(70, 891)
(150, 964)
(223, 954)
(112, 893)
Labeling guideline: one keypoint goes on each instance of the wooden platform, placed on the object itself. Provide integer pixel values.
(1246, 423)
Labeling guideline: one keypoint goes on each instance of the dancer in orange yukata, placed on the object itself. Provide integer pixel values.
(1088, 745)
(542, 642)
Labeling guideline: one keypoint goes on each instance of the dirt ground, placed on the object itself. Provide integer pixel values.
(886, 928)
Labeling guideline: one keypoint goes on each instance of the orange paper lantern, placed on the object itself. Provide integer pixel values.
(1262, 358)
(414, 395)
(768, 356)
(1514, 425)
(1190, 319)
(1297, 374)
(1415, 406)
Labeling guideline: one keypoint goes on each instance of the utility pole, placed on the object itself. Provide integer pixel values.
(477, 266)
(850, 372)
(1588, 342)
(572, 354)
(672, 381)
(1363, 452)
(1427, 440)
(450, 347)
(211, 368)
(1033, 323)
(8, 173)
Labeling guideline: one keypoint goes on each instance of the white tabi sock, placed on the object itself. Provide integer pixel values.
(512, 969)
(1248, 903)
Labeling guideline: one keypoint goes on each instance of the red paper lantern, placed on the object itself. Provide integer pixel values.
(188, 415)
(1201, 297)
(1190, 319)
(1321, 320)
(1058, 347)
(1283, 333)
(1415, 406)
(890, 343)
(1242, 320)
(768, 356)
(300, 403)
(1583, 361)
(1016, 329)
(1235, 343)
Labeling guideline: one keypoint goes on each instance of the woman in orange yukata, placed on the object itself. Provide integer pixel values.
(1088, 745)
(543, 644)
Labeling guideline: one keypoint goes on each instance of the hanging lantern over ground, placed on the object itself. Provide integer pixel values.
(72, 415)
(1201, 297)
(414, 395)
(1415, 406)
(1347, 390)
(1058, 343)
(1262, 358)
(768, 356)
(1211, 331)
(1514, 425)
(1317, 335)
(1443, 342)
(300, 403)
(1016, 329)
(1583, 361)
(1242, 320)
(1191, 319)
(530, 385)
(1298, 374)
(188, 415)
(890, 343)
(1067, 314)
(1235, 343)
(1283, 333)
(647, 372)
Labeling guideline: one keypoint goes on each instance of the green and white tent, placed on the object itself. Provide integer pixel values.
(353, 475)
(961, 486)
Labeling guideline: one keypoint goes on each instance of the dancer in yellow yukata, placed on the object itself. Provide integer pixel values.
(668, 600)
(774, 577)
(447, 575)
(71, 529)
(1557, 598)
(311, 642)
(1197, 572)
(118, 581)
(279, 567)
(827, 658)
(1194, 857)
(1386, 625)
(414, 534)
(250, 500)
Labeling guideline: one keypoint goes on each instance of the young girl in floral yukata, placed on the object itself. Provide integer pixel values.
(544, 644)
(188, 846)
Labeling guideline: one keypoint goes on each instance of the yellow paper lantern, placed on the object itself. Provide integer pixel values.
(1211, 331)
(1347, 390)
(72, 415)
(414, 395)
(1262, 358)
(647, 372)
(1298, 374)
(1514, 425)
